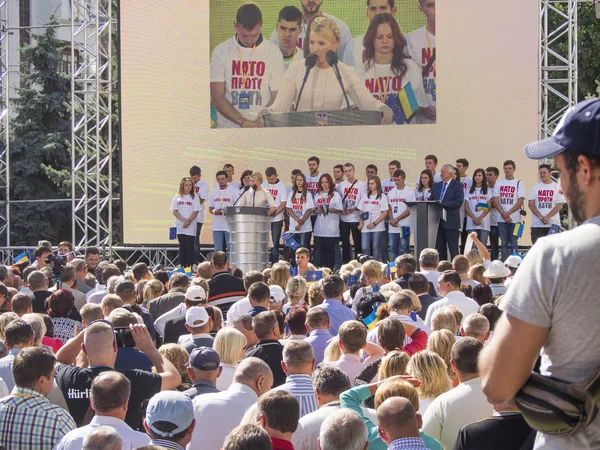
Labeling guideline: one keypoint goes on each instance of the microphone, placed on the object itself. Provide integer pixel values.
(332, 60)
(309, 62)
(243, 192)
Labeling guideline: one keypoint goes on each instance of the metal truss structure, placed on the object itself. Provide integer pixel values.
(4, 141)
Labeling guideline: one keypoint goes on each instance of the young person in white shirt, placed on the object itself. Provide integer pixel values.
(312, 185)
(230, 170)
(425, 185)
(491, 176)
(352, 192)
(185, 207)
(545, 203)
(431, 163)
(221, 197)
(338, 174)
(202, 191)
(279, 192)
(421, 47)
(375, 204)
(245, 72)
(289, 27)
(299, 207)
(354, 53)
(462, 165)
(388, 184)
(399, 213)
(477, 207)
(328, 207)
(509, 194)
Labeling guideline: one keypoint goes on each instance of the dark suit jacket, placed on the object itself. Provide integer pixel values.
(174, 328)
(403, 283)
(452, 202)
(166, 302)
(426, 300)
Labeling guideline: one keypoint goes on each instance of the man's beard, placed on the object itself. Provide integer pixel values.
(575, 199)
(311, 13)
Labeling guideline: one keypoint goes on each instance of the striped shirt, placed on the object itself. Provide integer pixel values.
(300, 386)
(166, 444)
(408, 443)
(28, 421)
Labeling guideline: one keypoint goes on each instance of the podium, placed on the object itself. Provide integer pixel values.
(425, 218)
(249, 237)
(322, 118)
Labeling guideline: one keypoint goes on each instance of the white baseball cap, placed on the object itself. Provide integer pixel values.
(277, 295)
(196, 316)
(195, 294)
(513, 261)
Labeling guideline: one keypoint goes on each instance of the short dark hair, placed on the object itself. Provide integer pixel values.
(180, 280)
(290, 14)
(433, 158)
(167, 427)
(18, 332)
(482, 294)
(270, 171)
(399, 173)
(30, 364)
(392, 3)
(408, 261)
(39, 251)
(492, 169)
(391, 334)
(462, 161)
(139, 270)
(509, 162)
(280, 409)
(317, 317)
(545, 166)
(296, 319)
(219, 259)
(263, 323)
(248, 437)
(465, 354)
(571, 158)
(374, 167)
(248, 16)
(296, 171)
(314, 158)
(492, 313)
(20, 303)
(60, 303)
(330, 380)
(91, 251)
(251, 277)
(333, 286)
(110, 390)
(221, 172)
(109, 270)
(67, 272)
(195, 170)
(418, 283)
(259, 292)
(396, 163)
(339, 166)
(450, 276)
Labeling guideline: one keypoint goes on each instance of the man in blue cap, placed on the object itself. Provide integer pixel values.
(552, 302)
(170, 420)
(204, 367)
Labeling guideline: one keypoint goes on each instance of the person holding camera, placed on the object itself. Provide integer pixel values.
(98, 343)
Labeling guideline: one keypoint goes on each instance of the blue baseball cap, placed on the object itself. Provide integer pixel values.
(578, 129)
(170, 406)
(204, 358)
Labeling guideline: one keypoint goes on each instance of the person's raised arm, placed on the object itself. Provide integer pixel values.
(68, 352)
(483, 251)
(143, 342)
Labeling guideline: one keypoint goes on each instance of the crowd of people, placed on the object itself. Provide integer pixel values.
(381, 69)
(333, 207)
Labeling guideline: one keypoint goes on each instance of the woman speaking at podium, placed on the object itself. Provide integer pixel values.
(322, 91)
(257, 196)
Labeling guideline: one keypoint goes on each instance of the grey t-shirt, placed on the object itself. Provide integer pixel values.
(555, 287)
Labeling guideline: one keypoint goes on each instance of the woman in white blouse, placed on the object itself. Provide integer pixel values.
(230, 344)
(322, 91)
(185, 207)
(299, 207)
(425, 186)
(257, 196)
(374, 206)
(328, 206)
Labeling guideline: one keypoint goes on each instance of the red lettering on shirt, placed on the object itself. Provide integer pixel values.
(425, 57)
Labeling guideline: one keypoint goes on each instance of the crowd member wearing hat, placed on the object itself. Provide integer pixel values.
(198, 321)
(497, 273)
(170, 420)
(203, 369)
(512, 263)
(276, 297)
(160, 305)
(109, 399)
(259, 295)
(194, 296)
(546, 309)
(126, 290)
(449, 288)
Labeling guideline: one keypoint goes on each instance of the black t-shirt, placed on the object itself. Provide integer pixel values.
(271, 352)
(75, 384)
(495, 433)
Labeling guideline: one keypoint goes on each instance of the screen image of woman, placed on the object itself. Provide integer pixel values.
(322, 91)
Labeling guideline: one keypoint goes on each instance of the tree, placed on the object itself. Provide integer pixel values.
(40, 144)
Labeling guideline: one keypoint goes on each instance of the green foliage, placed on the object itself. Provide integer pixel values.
(40, 140)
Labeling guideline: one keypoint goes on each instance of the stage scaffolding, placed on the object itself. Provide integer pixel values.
(93, 23)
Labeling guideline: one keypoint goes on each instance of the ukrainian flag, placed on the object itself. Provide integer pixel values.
(482, 206)
(22, 258)
(408, 101)
(180, 270)
(371, 321)
(518, 231)
(187, 271)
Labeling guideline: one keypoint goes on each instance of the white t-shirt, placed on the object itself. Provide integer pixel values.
(235, 184)
(328, 225)
(374, 206)
(312, 184)
(493, 211)
(422, 196)
(420, 50)
(353, 199)
(279, 192)
(508, 193)
(387, 185)
(381, 81)
(437, 177)
(473, 199)
(202, 191)
(299, 206)
(219, 199)
(256, 72)
(344, 30)
(546, 197)
(353, 56)
(396, 201)
(298, 56)
(185, 206)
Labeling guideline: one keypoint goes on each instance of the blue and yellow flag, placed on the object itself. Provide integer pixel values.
(408, 101)
(22, 258)
(518, 231)
(180, 270)
(482, 206)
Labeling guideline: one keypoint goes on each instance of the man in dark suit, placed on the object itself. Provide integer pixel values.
(224, 289)
(452, 196)
(420, 286)
(160, 305)
(177, 327)
(406, 266)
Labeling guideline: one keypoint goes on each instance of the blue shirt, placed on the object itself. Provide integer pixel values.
(128, 358)
(408, 443)
(301, 387)
(256, 310)
(338, 314)
(318, 340)
(6, 365)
